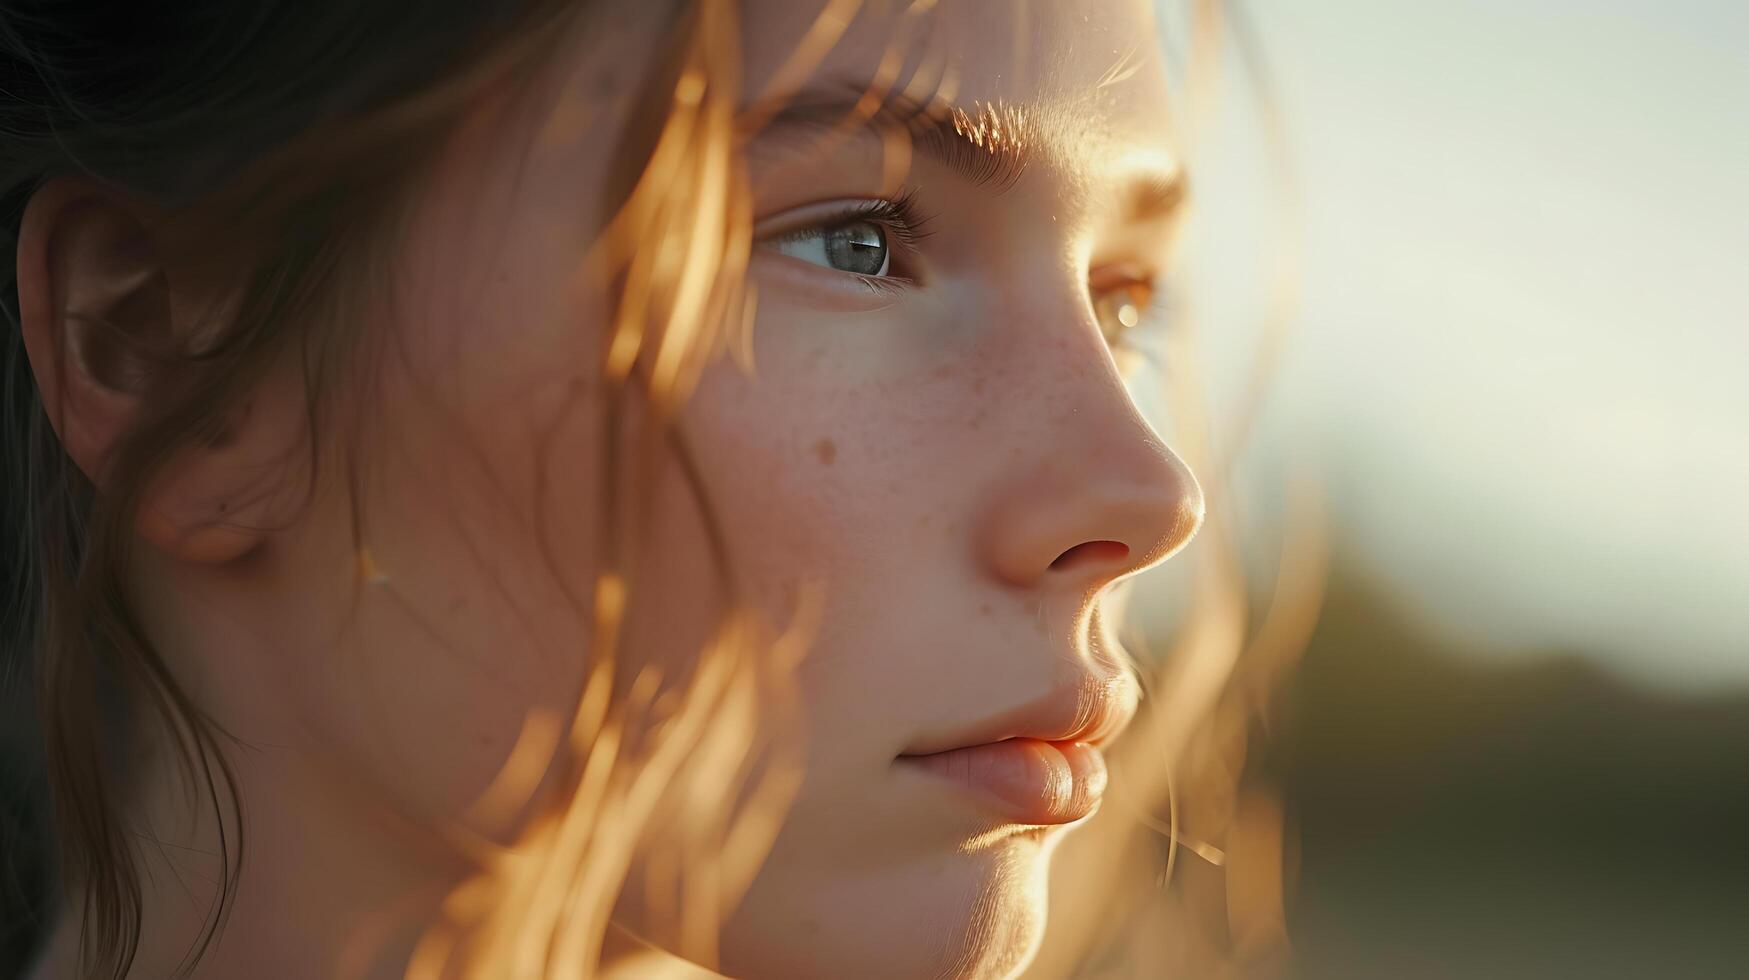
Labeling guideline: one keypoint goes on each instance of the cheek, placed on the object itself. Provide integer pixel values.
(480, 535)
(677, 590)
(478, 506)
(479, 503)
(866, 490)
(860, 488)
(825, 473)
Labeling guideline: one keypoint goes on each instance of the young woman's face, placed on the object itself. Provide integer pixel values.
(935, 432)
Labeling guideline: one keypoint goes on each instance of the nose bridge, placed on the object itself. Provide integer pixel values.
(1094, 493)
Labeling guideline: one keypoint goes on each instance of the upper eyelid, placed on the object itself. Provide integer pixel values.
(813, 225)
(1119, 275)
(824, 214)
(819, 214)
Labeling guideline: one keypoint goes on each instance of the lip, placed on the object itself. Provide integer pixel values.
(1086, 707)
(1025, 780)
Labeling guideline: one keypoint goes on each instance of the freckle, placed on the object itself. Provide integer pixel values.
(978, 386)
(984, 608)
(827, 450)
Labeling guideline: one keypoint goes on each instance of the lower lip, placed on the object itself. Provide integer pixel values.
(1027, 780)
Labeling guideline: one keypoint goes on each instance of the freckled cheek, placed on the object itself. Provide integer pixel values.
(838, 485)
(793, 487)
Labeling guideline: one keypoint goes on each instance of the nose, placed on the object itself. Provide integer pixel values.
(1099, 497)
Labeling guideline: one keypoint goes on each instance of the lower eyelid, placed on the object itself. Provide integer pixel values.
(833, 290)
(885, 285)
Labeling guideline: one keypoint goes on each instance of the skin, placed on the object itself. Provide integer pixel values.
(929, 451)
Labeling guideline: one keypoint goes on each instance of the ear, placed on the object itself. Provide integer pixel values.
(101, 318)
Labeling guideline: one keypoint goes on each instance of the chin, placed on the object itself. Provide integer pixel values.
(968, 915)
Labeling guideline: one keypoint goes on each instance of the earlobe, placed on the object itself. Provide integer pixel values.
(210, 543)
(211, 505)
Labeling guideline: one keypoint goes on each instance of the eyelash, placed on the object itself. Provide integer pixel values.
(906, 226)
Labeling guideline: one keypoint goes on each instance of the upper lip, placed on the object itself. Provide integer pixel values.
(1090, 708)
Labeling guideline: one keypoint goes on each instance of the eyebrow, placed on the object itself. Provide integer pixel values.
(986, 143)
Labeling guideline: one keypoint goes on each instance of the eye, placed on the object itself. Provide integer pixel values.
(1119, 307)
(874, 242)
(858, 247)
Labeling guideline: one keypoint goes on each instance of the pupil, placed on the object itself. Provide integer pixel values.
(859, 247)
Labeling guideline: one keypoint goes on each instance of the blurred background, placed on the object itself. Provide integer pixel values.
(1515, 234)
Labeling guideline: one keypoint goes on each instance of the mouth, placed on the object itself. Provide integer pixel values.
(1024, 780)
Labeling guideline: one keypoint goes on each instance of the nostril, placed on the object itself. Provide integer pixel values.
(1092, 552)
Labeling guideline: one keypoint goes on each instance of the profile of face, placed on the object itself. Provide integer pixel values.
(935, 431)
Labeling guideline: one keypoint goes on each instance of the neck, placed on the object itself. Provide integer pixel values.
(326, 885)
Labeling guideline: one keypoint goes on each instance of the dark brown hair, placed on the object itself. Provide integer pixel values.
(276, 137)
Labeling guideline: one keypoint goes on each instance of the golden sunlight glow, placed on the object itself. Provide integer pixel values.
(648, 767)
(996, 127)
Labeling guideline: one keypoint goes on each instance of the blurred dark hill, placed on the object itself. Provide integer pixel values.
(1543, 819)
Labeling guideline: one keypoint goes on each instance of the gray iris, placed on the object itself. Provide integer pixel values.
(859, 247)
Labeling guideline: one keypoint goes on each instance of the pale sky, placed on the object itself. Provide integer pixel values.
(1525, 328)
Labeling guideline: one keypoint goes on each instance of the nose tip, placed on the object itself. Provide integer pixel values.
(1091, 528)
(1145, 523)
(1178, 519)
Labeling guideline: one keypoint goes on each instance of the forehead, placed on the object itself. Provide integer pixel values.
(1086, 74)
